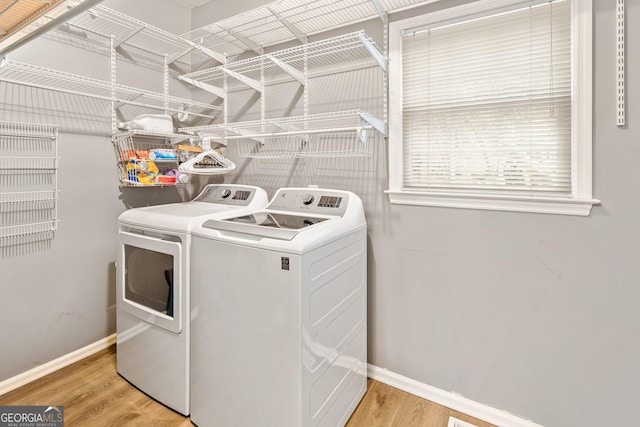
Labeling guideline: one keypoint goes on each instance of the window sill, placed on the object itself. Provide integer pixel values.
(578, 207)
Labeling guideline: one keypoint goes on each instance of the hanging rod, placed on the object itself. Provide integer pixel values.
(299, 132)
(312, 123)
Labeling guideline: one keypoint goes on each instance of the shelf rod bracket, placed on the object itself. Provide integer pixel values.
(374, 52)
(256, 85)
(175, 56)
(376, 123)
(287, 69)
(210, 53)
(118, 104)
(240, 134)
(117, 43)
(215, 90)
(257, 48)
(302, 37)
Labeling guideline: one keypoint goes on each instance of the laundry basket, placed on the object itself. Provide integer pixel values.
(146, 162)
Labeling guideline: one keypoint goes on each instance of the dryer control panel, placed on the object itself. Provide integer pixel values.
(311, 200)
(233, 195)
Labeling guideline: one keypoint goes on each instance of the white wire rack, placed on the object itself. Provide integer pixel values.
(172, 137)
(24, 201)
(28, 130)
(22, 234)
(300, 62)
(130, 151)
(46, 78)
(14, 163)
(137, 37)
(336, 134)
(29, 152)
(286, 20)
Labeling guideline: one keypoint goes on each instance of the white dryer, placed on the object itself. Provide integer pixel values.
(152, 288)
(279, 330)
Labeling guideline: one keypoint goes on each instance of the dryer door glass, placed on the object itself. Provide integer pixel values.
(149, 279)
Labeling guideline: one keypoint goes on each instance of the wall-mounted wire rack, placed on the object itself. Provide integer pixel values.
(336, 134)
(287, 20)
(310, 134)
(277, 22)
(138, 39)
(300, 62)
(48, 79)
(28, 182)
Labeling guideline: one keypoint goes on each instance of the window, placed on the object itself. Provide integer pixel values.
(490, 107)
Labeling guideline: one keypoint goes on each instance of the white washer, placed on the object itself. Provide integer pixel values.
(152, 288)
(279, 329)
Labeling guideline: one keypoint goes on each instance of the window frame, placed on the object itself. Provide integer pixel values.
(580, 201)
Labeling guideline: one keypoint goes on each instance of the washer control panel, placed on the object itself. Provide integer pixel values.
(311, 200)
(234, 195)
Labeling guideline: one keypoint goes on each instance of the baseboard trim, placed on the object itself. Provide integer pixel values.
(451, 400)
(52, 366)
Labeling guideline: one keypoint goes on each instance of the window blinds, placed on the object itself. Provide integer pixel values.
(487, 103)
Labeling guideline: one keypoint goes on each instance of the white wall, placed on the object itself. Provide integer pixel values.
(534, 314)
(59, 296)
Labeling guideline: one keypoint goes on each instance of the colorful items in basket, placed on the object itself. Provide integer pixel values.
(163, 154)
(134, 154)
(165, 180)
(180, 177)
(141, 172)
(172, 177)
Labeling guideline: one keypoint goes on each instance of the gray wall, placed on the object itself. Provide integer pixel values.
(59, 295)
(534, 314)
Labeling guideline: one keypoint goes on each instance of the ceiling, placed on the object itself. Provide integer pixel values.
(191, 3)
(22, 20)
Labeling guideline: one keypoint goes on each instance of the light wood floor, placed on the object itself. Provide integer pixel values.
(94, 395)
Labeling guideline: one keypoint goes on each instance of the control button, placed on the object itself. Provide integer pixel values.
(226, 193)
(307, 199)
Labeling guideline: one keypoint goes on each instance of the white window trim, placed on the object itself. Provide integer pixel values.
(580, 202)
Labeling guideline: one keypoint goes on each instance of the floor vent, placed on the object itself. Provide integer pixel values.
(454, 422)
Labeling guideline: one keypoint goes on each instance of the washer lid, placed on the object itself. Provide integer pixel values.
(265, 224)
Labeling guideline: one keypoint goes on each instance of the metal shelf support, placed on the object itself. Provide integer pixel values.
(255, 84)
(620, 74)
(287, 69)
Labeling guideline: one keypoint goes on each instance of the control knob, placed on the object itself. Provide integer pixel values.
(226, 193)
(307, 199)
